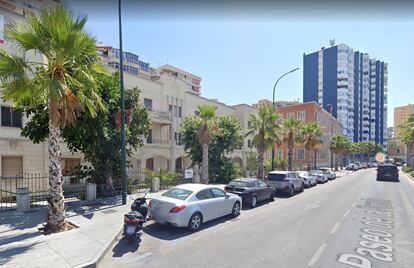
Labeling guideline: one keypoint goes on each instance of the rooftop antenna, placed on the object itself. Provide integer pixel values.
(332, 42)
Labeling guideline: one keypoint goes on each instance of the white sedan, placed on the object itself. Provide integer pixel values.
(190, 205)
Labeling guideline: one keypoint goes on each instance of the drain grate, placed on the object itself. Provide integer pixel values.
(108, 211)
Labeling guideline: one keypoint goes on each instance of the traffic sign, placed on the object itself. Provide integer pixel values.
(380, 157)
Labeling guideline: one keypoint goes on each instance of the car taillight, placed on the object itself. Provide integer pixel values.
(177, 209)
(150, 204)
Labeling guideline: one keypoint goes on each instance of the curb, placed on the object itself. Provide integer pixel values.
(99, 255)
(408, 175)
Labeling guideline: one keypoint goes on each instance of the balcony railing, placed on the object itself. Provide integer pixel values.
(160, 114)
(157, 141)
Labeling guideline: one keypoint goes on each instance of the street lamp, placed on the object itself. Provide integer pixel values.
(273, 105)
(330, 111)
(122, 104)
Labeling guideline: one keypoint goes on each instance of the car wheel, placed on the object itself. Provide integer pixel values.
(195, 222)
(292, 191)
(302, 188)
(236, 209)
(253, 203)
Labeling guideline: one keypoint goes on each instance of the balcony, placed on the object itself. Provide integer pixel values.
(157, 141)
(159, 116)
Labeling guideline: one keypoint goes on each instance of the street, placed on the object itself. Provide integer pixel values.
(342, 221)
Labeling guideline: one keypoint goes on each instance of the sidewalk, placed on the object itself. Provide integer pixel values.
(22, 245)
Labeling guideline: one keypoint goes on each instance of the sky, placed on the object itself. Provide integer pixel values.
(240, 53)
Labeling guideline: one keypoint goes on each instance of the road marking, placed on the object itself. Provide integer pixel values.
(346, 213)
(179, 240)
(336, 227)
(143, 256)
(317, 254)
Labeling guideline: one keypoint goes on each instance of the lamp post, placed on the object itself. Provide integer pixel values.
(330, 111)
(122, 104)
(273, 105)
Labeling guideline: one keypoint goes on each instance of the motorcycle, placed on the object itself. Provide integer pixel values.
(134, 220)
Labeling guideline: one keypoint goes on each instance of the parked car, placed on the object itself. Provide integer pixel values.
(251, 190)
(285, 181)
(387, 172)
(320, 177)
(308, 179)
(364, 165)
(352, 166)
(191, 205)
(329, 173)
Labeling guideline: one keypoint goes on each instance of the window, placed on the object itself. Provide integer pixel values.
(262, 184)
(301, 116)
(204, 194)
(197, 113)
(249, 143)
(301, 154)
(291, 115)
(11, 166)
(149, 137)
(11, 117)
(398, 151)
(177, 193)
(69, 164)
(279, 153)
(218, 193)
(148, 103)
(180, 112)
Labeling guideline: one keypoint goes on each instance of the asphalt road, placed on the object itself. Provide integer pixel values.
(353, 221)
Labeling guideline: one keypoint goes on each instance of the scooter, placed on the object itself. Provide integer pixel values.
(134, 220)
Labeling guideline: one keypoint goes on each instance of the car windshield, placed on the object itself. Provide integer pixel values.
(315, 172)
(239, 184)
(276, 177)
(302, 173)
(177, 193)
(387, 168)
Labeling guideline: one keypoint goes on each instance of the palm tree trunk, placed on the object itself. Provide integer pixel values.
(290, 158)
(314, 158)
(56, 219)
(204, 165)
(260, 172)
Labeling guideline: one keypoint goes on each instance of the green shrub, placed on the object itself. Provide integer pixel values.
(412, 174)
(406, 169)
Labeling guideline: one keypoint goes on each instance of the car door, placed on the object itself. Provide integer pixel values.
(223, 205)
(294, 180)
(207, 204)
(264, 189)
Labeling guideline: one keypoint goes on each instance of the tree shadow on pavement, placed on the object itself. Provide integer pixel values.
(8, 253)
(14, 220)
(123, 247)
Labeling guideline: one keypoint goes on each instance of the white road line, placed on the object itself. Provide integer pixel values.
(335, 228)
(346, 213)
(317, 254)
(142, 256)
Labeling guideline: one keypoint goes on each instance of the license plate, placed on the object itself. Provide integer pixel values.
(130, 229)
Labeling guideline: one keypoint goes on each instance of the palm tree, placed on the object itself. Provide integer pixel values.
(339, 145)
(206, 113)
(266, 133)
(63, 83)
(312, 134)
(292, 129)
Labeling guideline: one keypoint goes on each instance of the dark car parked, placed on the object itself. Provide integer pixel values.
(387, 172)
(250, 190)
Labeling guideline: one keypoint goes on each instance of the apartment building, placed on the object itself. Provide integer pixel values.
(278, 104)
(170, 94)
(309, 112)
(353, 85)
(17, 154)
(401, 115)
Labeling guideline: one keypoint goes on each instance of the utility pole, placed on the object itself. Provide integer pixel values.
(330, 111)
(121, 72)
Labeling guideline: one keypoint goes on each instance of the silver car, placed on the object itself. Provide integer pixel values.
(285, 181)
(331, 174)
(320, 177)
(308, 179)
(190, 205)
